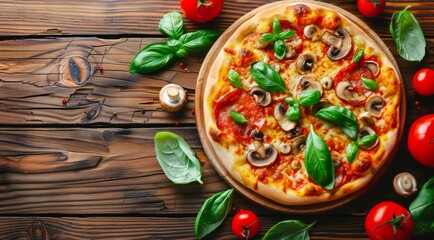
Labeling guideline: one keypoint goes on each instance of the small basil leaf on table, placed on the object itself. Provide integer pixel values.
(408, 35)
(234, 78)
(318, 161)
(422, 209)
(199, 41)
(171, 25)
(369, 84)
(358, 55)
(279, 49)
(177, 159)
(351, 152)
(237, 117)
(267, 37)
(293, 113)
(310, 97)
(212, 213)
(267, 78)
(367, 140)
(289, 229)
(343, 117)
(153, 57)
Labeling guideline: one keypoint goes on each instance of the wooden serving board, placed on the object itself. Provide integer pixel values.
(211, 153)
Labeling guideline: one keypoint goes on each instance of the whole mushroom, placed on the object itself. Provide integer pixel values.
(172, 97)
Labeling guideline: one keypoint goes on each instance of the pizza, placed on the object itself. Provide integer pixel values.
(302, 106)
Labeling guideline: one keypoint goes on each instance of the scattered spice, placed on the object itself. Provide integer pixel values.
(230, 51)
(193, 112)
(182, 65)
(100, 69)
(177, 123)
(417, 103)
(64, 101)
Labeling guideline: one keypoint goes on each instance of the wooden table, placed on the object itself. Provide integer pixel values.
(87, 169)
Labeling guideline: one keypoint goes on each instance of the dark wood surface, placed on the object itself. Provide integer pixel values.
(87, 169)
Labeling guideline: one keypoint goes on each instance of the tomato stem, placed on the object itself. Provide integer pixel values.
(395, 222)
(202, 2)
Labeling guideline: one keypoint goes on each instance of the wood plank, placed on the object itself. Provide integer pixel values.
(32, 83)
(83, 171)
(100, 17)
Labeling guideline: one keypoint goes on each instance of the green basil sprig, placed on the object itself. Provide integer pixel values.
(289, 229)
(267, 78)
(212, 213)
(353, 148)
(343, 117)
(358, 55)
(158, 55)
(234, 78)
(318, 161)
(369, 84)
(237, 117)
(408, 35)
(177, 159)
(422, 209)
(277, 36)
(307, 98)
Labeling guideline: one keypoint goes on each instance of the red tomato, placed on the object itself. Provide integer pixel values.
(423, 81)
(384, 217)
(371, 8)
(201, 10)
(245, 224)
(421, 140)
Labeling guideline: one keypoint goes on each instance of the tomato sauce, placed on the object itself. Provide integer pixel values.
(242, 102)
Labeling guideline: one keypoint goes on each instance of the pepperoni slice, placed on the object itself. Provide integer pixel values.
(242, 102)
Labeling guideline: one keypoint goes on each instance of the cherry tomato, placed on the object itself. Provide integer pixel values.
(423, 81)
(421, 140)
(386, 216)
(371, 8)
(245, 224)
(201, 10)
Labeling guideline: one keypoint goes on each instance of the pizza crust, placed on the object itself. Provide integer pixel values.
(290, 197)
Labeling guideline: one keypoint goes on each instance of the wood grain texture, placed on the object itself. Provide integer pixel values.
(98, 18)
(33, 83)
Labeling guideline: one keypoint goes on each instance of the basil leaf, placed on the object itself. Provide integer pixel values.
(289, 229)
(367, 140)
(267, 37)
(199, 41)
(237, 117)
(343, 117)
(310, 97)
(171, 25)
(279, 49)
(212, 213)
(286, 34)
(177, 159)
(358, 55)
(267, 78)
(153, 57)
(290, 101)
(369, 84)
(181, 53)
(294, 113)
(422, 209)
(318, 162)
(234, 78)
(408, 35)
(276, 26)
(351, 152)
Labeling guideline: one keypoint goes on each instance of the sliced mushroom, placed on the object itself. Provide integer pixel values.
(307, 82)
(332, 39)
(256, 160)
(284, 122)
(337, 159)
(295, 165)
(327, 83)
(298, 143)
(259, 147)
(295, 132)
(366, 119)
(311, 32)
(290, 51)
(305, 62)
(365, 131)
(405, 184)
(345, 91)
(315, 108)
(275, 66)
(284, 148)
(260, 44)
(338, 53)
(255, 134)
(374, 67)
(374, 104)
(262, 97)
